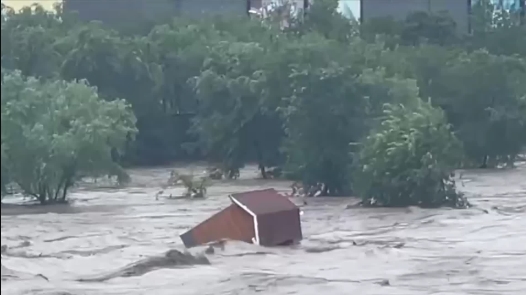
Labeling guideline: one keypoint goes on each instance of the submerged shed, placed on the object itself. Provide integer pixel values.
(263, 217)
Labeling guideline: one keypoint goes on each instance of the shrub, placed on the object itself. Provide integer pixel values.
(55, 132)
(409, 160)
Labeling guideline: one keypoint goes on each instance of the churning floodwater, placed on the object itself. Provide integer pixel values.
(345, 251)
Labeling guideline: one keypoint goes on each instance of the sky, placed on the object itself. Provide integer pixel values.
(17, 4)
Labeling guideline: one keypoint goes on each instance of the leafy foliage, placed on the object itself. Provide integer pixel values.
(489, 111)
(498, 30)
(295, 93)
(231, 121)
(319, 152)
(55, 132)
(409, 160)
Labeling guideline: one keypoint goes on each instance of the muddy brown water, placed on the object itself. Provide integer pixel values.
(345, 251)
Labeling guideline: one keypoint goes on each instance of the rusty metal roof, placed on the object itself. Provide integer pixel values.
(232, 223)
(262, 202)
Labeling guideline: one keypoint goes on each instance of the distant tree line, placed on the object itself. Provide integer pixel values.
(385, 109)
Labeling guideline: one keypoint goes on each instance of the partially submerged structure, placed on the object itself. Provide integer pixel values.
(262, 217)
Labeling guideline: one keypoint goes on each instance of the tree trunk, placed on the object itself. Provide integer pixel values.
(261, 165)
(263, 171)
(325, 190)
(510, 161)
(67, 185)
(484, 162)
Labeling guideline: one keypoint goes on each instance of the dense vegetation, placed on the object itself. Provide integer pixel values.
(391, 106)
(59, 131)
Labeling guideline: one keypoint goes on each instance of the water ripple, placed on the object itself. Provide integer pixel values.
(345, 251)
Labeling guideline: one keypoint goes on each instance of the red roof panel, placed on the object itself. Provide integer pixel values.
(262, 202)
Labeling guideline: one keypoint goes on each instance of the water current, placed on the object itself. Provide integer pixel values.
(345, 250)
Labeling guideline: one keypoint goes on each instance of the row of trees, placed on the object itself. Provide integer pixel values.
(386, 108)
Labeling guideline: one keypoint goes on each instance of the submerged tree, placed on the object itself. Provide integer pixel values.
(323, 116)
(56, 132)
(409, 160)
(4, 176)
(484, 98)
(290, 90)
(230, 120)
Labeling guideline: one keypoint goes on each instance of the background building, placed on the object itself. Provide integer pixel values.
(111, 11)
(459, 10)
(132, 10)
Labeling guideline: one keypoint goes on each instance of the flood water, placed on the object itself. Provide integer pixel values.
(345, 251)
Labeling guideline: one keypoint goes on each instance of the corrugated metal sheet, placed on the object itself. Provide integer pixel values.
(231, 223)
(277, 218)
(265, 201)
(280, 228)
(263, 216)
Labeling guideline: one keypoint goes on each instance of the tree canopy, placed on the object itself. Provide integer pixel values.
(313, 93)
(55, 132)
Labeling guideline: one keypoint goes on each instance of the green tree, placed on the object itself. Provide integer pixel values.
(302, 91)
(53, 133)
(323, 17)
(330, 111)
(409, 159)
(497, 30)
(28, 39)
(232, 122)
(483, 95)
(420, 27)
(417, 28)
(124, 67)
(324, 115)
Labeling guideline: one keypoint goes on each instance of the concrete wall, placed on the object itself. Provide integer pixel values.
(458, 9)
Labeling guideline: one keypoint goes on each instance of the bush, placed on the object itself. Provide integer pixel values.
(409, 160)
(282, 91)
(55, 132)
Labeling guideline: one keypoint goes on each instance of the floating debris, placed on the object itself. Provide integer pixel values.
(262, 217)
